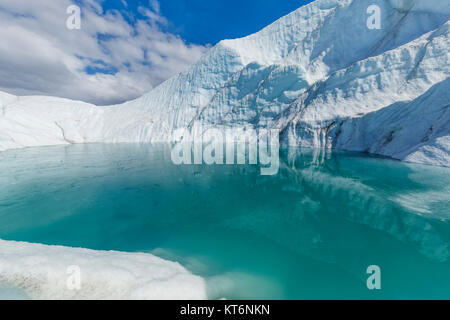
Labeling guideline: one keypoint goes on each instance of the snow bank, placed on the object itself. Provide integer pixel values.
(41, 272)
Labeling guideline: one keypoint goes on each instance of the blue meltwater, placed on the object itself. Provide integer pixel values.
(311, 231)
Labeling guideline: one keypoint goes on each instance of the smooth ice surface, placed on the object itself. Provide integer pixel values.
(318, 74)
(309, 232)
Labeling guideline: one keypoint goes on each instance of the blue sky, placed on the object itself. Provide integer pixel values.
(123, 49)
(209, 21)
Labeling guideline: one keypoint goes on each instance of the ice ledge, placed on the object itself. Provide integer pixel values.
(41, 272)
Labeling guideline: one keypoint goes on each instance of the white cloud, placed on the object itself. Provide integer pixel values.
(39, 55)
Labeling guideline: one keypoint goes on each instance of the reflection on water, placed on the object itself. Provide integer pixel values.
(309, 232)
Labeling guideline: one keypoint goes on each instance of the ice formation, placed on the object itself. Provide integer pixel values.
(318, 74)
(44, 272)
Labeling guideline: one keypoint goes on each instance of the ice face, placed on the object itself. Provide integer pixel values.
(316, 74)
(435, 6)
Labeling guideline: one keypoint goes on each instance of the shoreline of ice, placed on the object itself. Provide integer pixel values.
(42, 272)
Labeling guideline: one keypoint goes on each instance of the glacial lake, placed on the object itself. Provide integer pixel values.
(309, 232)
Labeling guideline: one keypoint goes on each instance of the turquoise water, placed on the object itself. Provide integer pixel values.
(309, 232)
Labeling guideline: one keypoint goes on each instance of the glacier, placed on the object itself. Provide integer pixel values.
(319, 75)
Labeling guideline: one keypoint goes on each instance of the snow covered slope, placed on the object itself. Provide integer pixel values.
(319, 74)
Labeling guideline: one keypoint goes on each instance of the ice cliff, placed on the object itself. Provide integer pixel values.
(319, 74)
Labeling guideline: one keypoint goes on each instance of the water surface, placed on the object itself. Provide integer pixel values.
(308, 232)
